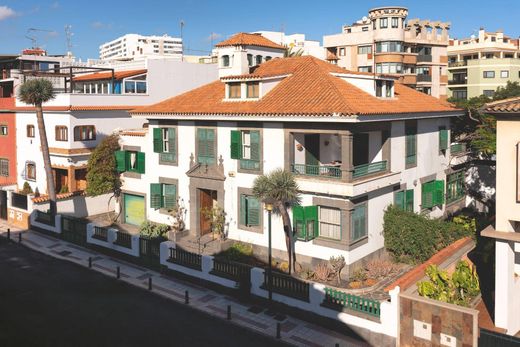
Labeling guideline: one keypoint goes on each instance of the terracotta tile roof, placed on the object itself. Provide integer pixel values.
(245, 39)
(134, 132)
(310, 89)
(511, 105)
(118, 75)
(45, 198)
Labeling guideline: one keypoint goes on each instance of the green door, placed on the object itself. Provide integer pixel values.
(134, 209)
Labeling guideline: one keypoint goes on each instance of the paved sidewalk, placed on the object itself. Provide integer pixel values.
(293, 330)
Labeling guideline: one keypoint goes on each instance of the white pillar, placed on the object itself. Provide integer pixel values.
(507, 288)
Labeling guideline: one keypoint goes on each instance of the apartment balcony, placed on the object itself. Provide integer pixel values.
(424, 58)
(424, 78)
(457, 81)
(461, 63)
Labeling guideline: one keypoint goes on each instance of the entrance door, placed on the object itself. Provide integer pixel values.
(62, 180)
(3, 204)
(312, 153)
(134, 209)
(207, 199)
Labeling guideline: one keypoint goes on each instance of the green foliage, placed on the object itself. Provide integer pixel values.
(414, 238)
(467, 223)
(279, 187)
(217, 218)
(36, 91)
(459, 288)
(26, 189)
(102, 175)
(64, 189)
(152, 229)
(239, 252)
(289, 53)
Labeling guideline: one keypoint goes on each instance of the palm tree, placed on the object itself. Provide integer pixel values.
(36, 92)
(280, 188)
(289, 53)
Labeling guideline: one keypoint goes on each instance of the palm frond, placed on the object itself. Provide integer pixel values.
(36, 91)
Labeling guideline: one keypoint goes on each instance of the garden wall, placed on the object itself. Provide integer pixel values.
(109, 239)
(80, 206)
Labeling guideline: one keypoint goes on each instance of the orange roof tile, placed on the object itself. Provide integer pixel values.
(511, 105)
(44, 198)
(108, 75)
(245, 39)
(310, 89)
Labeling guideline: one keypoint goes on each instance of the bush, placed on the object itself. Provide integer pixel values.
(26, 189)
(239, 252)
(152, 229)
(377, 269)
(413, 238)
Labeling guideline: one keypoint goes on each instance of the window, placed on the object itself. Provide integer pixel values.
(330, 222)
(252, 89)
(62, 133)
(4, 167)
(342, 51)
(359, 223)
(165, 143)
(389, 46)
(250, 59)
(3, 129)
(305, 222)
(84, 133)
(258, 59)
(455, 186)
(245, 146)
(365, 68)
(504, 74)
(411, 143)
(30, 171)
(389, 68)
(364, 29)
(30, 130)
(374, 25)
(488, 92)
(489, 74)
(267, 58)
(234, 90)
(225, 60)
(395, 22)
(249, 210)
(460, 94)
(383, 23)
(404, 200)
(379, 88)
(206, 146)
(364, 49)
(131, 161)
(163, 195)
(135, 85)
(388, 90)
(432, 194)
(443, 139)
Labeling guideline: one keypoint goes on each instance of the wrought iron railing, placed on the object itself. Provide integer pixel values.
(123, 239)
(287, 285)
(316, 170)
(369, 169)
(357, 303)
(45, 218)
(231, 270)
(185, 258)
(100, 233)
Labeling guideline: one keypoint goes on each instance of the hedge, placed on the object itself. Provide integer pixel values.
(413, 238)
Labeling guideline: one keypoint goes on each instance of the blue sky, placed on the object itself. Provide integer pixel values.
(94, 22)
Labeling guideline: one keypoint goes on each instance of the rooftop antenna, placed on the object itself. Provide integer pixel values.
(182, 39)
(33, 38)
(68, 36)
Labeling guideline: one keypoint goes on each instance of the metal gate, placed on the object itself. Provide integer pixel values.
(491, 339)
(74, 230)
(3, 204)
(150, 250)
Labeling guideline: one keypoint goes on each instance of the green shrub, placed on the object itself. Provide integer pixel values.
(152, 229)
(239, 252)
(26, 189)
(413, 238)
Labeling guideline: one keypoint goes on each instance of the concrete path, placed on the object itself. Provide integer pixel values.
(293, 330)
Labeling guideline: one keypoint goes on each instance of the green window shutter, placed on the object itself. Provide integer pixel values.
(311, 221)
(358, 222)
(253, 211)
(236, 144)
(140, 162)
(155, 195)
(443, 139)
(172, 142)
(299, 222)
(399, 199)
(439, 192)
(157, 140)
(170, 196)
(243, 209)
(210, 144)
(427, 194)
(410, 149)
(201, 138)
(120, 161)
(255, 145)
(409, 200)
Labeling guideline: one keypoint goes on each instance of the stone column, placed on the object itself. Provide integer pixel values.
(347, 155)
(71, 179)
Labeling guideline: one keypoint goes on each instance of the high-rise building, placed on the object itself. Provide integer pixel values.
(131, 46)
(386, 42)
(480, 64)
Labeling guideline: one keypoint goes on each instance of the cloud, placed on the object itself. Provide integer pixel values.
(100, 25)
(6, 12)
(213, 37)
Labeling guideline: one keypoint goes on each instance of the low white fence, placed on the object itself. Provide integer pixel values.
(45, 221)
(109, 239)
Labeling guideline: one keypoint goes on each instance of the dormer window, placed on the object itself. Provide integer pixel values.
(253, 89)
(225, 60)
(389, 89)
(250, 59)
(258, 59)
(234, 90)
(379, 89)
(384, 89)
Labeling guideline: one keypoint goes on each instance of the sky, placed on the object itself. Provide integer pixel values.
(94, 22)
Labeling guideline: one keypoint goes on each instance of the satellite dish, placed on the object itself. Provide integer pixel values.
(364, 18)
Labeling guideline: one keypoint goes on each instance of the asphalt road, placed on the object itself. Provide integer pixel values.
(48, 302)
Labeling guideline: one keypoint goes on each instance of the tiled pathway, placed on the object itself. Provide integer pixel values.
(293, 330)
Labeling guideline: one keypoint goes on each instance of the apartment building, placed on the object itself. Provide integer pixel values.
(356, 143)
(480, 64)
(507, 226)
(132, 46)
(295, 42)
(92, 103)
(386, 42)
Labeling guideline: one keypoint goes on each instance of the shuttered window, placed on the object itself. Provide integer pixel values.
(330, 222)
(404, 200)
(4, 167)
(443, 139)
(306, 222)
(206, 146)
(455, 186)
(163, 195)
(164, 143)
(432, 194)
(411, 143)
(249, 210)
(359, 223)
(245, 146)
(131, 161)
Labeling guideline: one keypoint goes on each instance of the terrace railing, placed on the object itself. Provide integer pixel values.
(185, 258)
(340, 299)
(369, 169)
(316, 170)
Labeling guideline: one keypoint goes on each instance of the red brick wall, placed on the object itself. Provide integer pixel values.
(8, 146)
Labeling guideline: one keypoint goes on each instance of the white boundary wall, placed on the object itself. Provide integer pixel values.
(111, 238)
(55, 229)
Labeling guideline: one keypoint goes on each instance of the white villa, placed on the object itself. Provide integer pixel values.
(357, 142)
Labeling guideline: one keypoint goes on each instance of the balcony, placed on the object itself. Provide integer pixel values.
(424, 58)
(424, 78)
(458, 63)
(457, 81)
(370, 169)
(316, 170)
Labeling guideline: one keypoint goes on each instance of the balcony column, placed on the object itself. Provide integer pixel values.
(386, 148)
(71, 179)
(347, 155)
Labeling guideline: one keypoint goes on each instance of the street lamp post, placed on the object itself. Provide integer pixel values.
(269, 208)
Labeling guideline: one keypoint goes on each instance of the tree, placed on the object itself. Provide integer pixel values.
(102, 175)
(289, 53)
(36, 92)
(279, 187)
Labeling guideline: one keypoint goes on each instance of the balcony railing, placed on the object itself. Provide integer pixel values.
(457, 148)
(457, 81)
(458, 63)
(369, 169)
(316, 170)
(424, 58)
(424, 78)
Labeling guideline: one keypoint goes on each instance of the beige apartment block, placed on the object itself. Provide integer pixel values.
(386, 42)
(480, 64)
